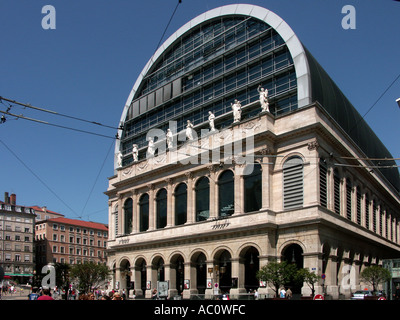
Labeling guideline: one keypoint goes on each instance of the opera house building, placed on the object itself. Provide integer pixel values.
(236, 149)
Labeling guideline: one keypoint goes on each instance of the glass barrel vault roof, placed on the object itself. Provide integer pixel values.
(225, 54)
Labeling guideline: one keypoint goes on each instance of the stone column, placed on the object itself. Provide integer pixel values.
(152, 277)
(120, 215)
(331, 286)
(213, 192)
(137, 277)
(170, 205)
(135, 215)
(238, 189)
(210, 276)
(265, 180)
(190, 274)
(191, 199)
(238, 271)
(152, 207)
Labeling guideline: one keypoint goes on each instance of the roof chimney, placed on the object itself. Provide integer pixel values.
(13, 199)
(6, 198)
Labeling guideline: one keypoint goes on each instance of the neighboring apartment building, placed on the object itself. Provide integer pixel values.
(42, 213)
(192, 215)
(70, 241)
(17, 227)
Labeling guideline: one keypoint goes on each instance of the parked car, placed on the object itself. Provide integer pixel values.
(361, 294)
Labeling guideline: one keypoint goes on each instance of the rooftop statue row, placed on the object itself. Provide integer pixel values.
(190, 133)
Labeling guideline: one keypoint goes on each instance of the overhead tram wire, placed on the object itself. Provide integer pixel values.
(37, 177)
(57, 125)
(56, 113)
(165, 31)
(374, 104)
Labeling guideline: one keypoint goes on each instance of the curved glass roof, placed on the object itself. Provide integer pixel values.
(225, 54)
(327, 93)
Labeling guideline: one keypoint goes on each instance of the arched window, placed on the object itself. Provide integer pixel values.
(252, 190)
(293, 183)
(226, 194)
(181, 204)
(161, 200)
(144, 212)
(128, 216)
(202, 191)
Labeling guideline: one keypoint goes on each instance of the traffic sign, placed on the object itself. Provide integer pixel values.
(318, 297)
(323, 276)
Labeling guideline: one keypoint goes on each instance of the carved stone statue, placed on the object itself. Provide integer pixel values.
(189, 130)
(237, 111)
(120, 159)
(211, 118)
(263, 99)
(135, 153)
(151, 148)
(170, 141)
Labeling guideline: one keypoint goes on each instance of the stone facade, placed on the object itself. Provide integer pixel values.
(328, 242)
(292, 184)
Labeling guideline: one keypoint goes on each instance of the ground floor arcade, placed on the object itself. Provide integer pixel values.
(228, 262)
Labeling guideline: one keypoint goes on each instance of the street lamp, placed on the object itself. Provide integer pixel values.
(398, 102)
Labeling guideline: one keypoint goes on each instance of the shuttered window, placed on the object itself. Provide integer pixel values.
(293, 183)
(358, 193)
(336, 190)
(348, 199)
(323, 195)
(367, 210)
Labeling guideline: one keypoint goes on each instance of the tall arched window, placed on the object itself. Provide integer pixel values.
(226, 194)
(202, 191)
(161, 200)
(144, 212)
(128, 216)
(181, 204)
(293, 183)
(252, 190)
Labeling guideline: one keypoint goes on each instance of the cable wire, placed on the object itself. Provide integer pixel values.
(374, 104)
(57, 113)
(37, 177)
(57, 125)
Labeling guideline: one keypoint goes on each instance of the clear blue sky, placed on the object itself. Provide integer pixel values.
(87, 66)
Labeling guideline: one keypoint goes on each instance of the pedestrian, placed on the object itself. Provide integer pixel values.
(34, 295)
(46, 295)
(154, 294)
(117, 296)
(282, 293)
(289, 294)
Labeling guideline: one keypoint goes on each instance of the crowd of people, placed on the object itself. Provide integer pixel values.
(56, 294)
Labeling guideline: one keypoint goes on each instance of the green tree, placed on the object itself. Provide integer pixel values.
(89, 275)
(277, 274)
(62, 276)
(310, 278)
(375, 275)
